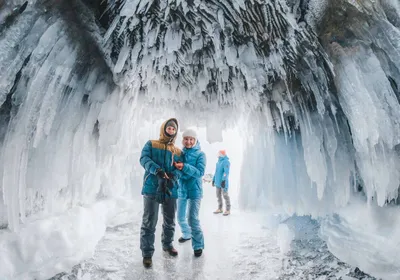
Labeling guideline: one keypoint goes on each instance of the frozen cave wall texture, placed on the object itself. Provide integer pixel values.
(315, 84)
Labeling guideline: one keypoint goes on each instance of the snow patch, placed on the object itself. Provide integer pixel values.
(373, 233)
(49, 245)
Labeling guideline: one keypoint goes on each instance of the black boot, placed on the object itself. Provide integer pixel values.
(147, 262)
(198, 252)
(183, 240)
(171, 251)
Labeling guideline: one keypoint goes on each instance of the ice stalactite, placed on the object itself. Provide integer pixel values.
(51, 94)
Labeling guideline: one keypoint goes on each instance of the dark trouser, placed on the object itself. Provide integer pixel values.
(221, 192)
(149, 222)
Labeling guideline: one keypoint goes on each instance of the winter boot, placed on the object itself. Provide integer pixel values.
(198, 252)
(147, 262)
(226, 213)
(183, 240)
(218, 211)
(171, 251)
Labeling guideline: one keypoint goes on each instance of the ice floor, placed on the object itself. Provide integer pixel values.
(240, 246)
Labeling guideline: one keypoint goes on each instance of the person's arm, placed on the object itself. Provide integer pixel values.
(225, 175)
(146, 161)
(213, 180)
(196, 171)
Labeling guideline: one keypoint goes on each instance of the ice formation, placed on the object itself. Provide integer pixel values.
(313, 84)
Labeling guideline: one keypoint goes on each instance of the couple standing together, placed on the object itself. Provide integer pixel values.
(171, 173)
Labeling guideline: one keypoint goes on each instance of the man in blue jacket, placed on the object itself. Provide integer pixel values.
(221, 182)
(191, 191)
(160, 187)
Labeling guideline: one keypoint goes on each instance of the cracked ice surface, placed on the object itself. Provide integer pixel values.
(241, 246)
(234, 247)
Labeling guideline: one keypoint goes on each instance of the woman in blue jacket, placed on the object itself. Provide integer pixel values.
(191, 191)
(160, 186)
(221, 182)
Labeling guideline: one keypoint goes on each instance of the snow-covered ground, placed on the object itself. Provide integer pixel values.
(244, 245)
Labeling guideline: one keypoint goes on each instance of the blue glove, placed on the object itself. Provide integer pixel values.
(223, 184)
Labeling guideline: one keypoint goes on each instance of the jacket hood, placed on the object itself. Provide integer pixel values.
(221, 158)
(194, 148)
(164, 138)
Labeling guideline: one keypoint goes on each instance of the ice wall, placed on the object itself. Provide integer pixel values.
(346, 162)
(308, 170)
(51, 95)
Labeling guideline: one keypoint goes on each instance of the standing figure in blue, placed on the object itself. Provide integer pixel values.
(191, 191)
(160, 187)
(221, 182)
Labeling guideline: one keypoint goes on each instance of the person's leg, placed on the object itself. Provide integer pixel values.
(227, 203)
(219, 197)
(194, 223)
(149, 222)
(182, 218)
(168, 210)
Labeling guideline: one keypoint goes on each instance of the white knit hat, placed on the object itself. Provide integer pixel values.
(190, 133)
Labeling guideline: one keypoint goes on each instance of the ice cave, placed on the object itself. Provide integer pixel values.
(304, 95)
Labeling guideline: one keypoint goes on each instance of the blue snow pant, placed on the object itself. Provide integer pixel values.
(190, 224)
(149, 222)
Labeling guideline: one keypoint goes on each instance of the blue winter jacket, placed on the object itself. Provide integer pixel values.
(222, 172)
(160, 154)
(194, 164)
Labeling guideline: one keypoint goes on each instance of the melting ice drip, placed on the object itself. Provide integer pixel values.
(314, 83)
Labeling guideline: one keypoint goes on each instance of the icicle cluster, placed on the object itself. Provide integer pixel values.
(246, 53)
(230, 52)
